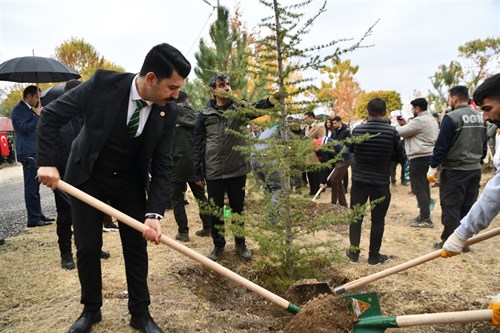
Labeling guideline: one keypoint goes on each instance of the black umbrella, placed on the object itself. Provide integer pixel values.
(36, 70)
(51, 93)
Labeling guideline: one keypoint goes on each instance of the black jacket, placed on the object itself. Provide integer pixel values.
(341, 133)
(182, 153)
(371, 163)
(325, 155)
(100, 99)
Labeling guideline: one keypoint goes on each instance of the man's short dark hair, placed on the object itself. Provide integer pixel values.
(30, 90)
(182, 97)
(337, 118)
(71, 84)
(421, 103)
(376, 107)
(163, 59)
(461, 92)
(310, 114)
(217, 77)
(490, 88)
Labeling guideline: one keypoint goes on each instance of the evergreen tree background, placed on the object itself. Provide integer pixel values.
(230, 52)
(283, 233)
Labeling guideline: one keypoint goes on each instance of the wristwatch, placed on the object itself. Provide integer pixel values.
(153, 216)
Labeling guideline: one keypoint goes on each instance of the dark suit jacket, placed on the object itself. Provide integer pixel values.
(100, 99)
(24, 121)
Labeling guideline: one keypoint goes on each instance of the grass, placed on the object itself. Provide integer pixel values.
(36, 295)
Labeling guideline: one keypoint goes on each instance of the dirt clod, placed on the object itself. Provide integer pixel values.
(327, 313)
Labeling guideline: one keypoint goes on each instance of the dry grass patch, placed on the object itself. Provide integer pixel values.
(36, 295)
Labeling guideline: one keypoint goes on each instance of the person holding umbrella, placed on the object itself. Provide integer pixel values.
(25, 119)
(25, 116)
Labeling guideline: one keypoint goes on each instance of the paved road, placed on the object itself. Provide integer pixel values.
(13, 216)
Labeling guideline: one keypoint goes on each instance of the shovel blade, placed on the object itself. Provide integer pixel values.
(367, 308)
(363, 305)
(305, 290)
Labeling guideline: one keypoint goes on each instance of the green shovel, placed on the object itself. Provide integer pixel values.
(367, 308)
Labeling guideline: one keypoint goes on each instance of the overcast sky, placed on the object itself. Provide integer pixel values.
(411, 40)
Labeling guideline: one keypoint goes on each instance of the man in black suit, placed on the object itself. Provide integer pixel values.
(129, 125)
(67, 134)
(25, 116)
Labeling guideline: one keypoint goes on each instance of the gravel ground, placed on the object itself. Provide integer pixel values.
(13, 216)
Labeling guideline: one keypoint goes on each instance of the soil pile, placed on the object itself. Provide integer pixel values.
(327, 313)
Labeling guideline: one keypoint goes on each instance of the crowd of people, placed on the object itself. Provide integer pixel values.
(133, 140)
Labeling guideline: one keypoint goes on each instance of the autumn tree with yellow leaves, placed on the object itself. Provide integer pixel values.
(340, 91)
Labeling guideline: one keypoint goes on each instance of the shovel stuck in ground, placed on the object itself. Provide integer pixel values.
(409, 264)
(314, 289)
(366, 307)
(133, 223)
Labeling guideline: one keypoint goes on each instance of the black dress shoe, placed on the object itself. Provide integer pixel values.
(84, 323)
(38, 223)
(46, 219)
(144, 323)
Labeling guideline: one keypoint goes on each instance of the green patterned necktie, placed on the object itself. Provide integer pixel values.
(133, 123)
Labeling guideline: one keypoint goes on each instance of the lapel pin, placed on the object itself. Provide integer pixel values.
(162, 113)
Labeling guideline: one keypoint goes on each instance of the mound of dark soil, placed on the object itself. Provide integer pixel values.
(327, 313)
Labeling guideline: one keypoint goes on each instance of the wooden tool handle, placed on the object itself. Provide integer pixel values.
(417, 261)
(320, 189)
(444, 318)
(317, 194)
(80, 195)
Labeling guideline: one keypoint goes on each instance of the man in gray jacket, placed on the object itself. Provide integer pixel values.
(420, 134)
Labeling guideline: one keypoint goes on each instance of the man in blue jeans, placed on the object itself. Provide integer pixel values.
(25, 117)
(371, 169)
